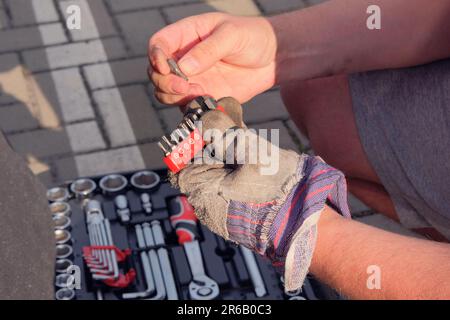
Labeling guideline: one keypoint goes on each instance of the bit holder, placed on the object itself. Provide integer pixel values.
(180, 146)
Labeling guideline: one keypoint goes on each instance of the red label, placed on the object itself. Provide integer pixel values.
(185, 151)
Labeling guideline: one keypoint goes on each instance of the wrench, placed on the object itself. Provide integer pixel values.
(153, 258)
(184, 222)
(253, 270)
(164, 261)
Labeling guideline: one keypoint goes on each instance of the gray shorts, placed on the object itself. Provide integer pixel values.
(403, 119)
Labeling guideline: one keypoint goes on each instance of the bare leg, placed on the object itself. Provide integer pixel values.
(322, 109)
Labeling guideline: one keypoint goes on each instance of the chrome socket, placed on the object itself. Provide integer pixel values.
(61, 222)
(62, 236)
(83, 188)
(145, 180)
(60, 208)
(63, 280)
(62, 265)
(65, 294)
(57, 194)
(113, 184)
(63, 251)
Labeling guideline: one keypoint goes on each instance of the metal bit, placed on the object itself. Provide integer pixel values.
(163, 148)
(123, 212)
(210, 103)
(167, 141)
(174, 138)
(185, 128)
(175, 69)
(146, 203)
(190, 124)
(180, 134)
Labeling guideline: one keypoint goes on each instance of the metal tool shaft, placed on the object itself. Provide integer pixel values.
(253, 270)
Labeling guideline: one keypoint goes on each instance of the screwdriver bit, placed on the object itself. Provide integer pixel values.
(176, 69)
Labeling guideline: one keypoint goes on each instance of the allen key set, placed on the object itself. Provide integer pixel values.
(132, 236)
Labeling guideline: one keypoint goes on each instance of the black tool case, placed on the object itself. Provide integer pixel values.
(223, 260)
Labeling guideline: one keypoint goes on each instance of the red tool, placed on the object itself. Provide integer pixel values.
(184, 221)
(186, 140)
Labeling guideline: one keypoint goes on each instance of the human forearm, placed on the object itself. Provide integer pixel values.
(333, 38)
(410, 268)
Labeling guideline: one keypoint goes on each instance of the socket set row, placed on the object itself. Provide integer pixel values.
(133, 236)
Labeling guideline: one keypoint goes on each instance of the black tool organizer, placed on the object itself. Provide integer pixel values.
(222, 259)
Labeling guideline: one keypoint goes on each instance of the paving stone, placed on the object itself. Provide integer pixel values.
(85, 136)
(25, 12)
(46, 178)
(171, 117)
(115, 117)
(41, 143)
(36, 93)
(265, 107)
(4, 21)
(8, 62)
(74, 54)
(237, 7)
(128, 115)
(52, 34)
(120, 5)
(141, 114)
(116, 73)
(300, 136)
(138, 27)
(64, 89)
(116, 160)
(15, 118)
(271, 6)
(31, 37)
(41, 169)
(285, 140)
(95, 23)
(65, 169)
(152, 156)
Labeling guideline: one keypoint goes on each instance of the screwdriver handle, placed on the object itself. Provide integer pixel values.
(183, 219)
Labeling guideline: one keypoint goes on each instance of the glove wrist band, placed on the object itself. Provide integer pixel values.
(269, 228)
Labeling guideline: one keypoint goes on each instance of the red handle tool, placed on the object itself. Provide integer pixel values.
(183, 219)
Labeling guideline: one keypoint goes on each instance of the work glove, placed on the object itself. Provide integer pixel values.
(270, 205)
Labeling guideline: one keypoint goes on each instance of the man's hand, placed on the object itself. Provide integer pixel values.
(272, 212)
(222, 55)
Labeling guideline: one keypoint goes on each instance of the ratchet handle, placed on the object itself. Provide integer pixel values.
(183, 219)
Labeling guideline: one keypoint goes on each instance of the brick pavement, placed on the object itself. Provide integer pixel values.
(78, 102)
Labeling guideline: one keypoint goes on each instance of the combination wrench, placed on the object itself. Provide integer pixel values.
(184, 221)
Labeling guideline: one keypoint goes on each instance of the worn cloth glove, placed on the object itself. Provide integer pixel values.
(273, 212)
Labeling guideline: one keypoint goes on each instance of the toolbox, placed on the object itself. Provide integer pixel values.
(103, 252)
